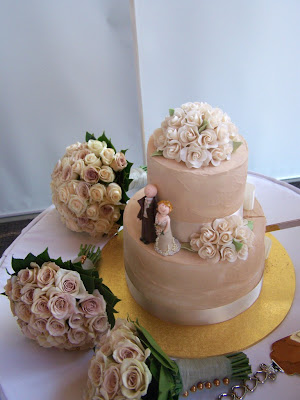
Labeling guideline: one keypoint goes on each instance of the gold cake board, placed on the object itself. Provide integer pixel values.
(237, 334)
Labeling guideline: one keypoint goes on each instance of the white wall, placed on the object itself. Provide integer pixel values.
(67, 67)
(243, 56)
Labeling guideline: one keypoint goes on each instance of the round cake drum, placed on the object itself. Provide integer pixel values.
(257, 322)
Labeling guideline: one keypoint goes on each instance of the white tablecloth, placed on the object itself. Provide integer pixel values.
(29, 372)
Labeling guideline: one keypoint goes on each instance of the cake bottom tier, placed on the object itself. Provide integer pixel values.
(185, 289)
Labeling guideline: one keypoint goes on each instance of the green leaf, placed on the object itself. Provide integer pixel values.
(103, 138)
(144, 167)
(89, 136)
(187, 246)
(4, 294)
(124, 151)
(237, 245)
(171, 111)
(250, 225)
(44, 256)
(236, 145)
(203, 126)
(154, 368)
(157, 153)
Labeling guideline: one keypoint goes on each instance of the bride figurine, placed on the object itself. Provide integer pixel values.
(165, 244)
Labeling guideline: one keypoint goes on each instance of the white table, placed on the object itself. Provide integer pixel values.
(29, 372)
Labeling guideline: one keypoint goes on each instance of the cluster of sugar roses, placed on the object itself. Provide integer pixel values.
(89, 186)
(53, 306)
(197, 134)
(128, 364)
(224, 239)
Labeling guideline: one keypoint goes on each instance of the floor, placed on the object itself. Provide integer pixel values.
(10, 230)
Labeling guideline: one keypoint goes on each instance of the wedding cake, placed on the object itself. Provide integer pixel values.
(197, 171)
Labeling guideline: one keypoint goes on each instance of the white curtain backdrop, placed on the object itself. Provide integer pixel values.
(69, 66)
(242, 56)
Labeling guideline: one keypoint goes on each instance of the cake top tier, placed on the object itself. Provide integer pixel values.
(196, 134)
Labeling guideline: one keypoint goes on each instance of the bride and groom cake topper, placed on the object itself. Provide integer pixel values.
(156, 223)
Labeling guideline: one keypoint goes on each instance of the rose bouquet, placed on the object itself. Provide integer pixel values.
(197, 134)
(129, 364)
(89, 185)
(59, 304)
(225, 239)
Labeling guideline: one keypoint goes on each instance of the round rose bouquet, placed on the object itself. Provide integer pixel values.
(197, 134)
(59, 304)
(89, 185)
(225, 239)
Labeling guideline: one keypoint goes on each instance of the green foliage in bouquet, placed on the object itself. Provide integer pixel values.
(122, 177)
(166, 381)
(89, 277)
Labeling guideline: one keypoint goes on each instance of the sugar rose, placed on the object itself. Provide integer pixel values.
(209, 252)
(172, 150)
(228, 253)
(160, 140)
(208, 234)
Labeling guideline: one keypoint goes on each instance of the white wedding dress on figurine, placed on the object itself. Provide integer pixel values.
(165, 244)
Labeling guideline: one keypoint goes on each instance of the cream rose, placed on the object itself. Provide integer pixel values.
(25, 329)
(225, 238)
(46, 275)
(91, 174)
(208, 234)
(208, 139)
(92, 211)
(136, 378)
(93, 304)
(114, 193)
(160, 139)
(116, 214)
(218, 155)
(177, 119)
(77, 205)
(103, 225)
(63, 193)
(78, 166)
(112, 380)
(195, 242)
(244, 234)
(98, 192)
(188, 134)
(57, 170)
(73, 147)
(92, 159)
(222, 133)
(81, 154)
(83, 190)
(70, 282)
(243, 252)
(194, 117)
(56, 327)
(209, 252)
(107, 156)
(119, 162)
(172, 150)
(106, 174)
(96, 146)
(195, 156)
(68, 173)
(228, 253)
(62, 305)
(221, 225)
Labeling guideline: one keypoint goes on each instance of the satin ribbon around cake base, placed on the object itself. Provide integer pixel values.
(196, 317)
(236, 334)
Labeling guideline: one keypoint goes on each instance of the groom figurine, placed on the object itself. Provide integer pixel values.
(147, 213)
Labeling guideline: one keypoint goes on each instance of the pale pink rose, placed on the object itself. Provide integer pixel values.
(112, 380)
(72, 224)
(107, 156)
(25, 329)
(243, 252)
(70, 282)
(188, 134)
(82, 190)
(28, 275)
(209, 252)
(62, 305)
(136, 378)
(96, 368)
(77, 336)
(91, 174)
(56, 327)
(244, 234)
(63, 193)
(92, 211)
(98, 323)
(114, 193)
(39, 324)
(78, 167)
(16, 289)
(172, 150)
(195, 241)
(93, 304)
(72, 185)
(92, 159)
(27, 292)
(8, 287)
(76, 319)
(208, 139)
(66, 161)
(160, 139)
(89, 390)
(22, 311)
(106, 210)
(46, 275)
(208, 234)
(128, 349)
(42, 340)
(225, 238)
(58, 341)
(13, 307)
(96, 146)
(40, 304)
(57, 170)
(81, 154)
(73, 147)
(103, 225)
(123, 324)
(221, 225)
(106, 174)
(68, 173)
(119, 162)
(98, 192)
(101, 394)
(195, 156)
(228, 253)
(77, 205)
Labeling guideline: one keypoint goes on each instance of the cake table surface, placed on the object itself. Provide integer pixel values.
(30, 372)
